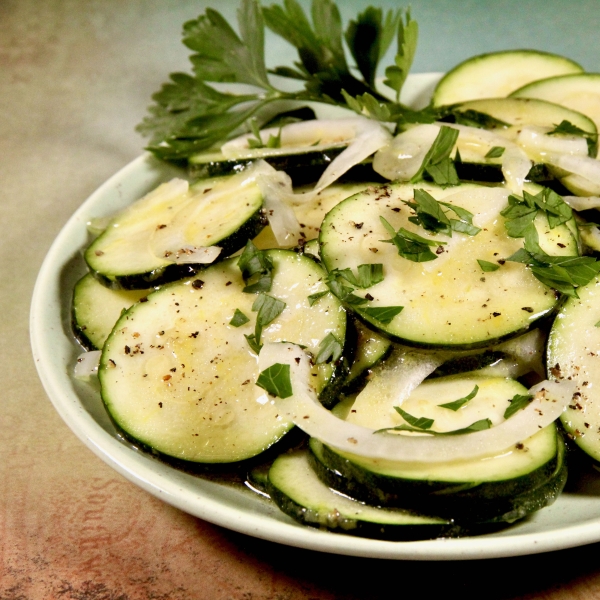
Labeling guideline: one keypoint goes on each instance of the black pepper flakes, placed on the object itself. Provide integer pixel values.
(197, 284)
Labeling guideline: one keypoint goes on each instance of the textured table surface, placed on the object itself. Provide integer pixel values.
(75, 78)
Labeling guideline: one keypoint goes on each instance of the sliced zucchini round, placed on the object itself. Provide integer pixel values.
(298, 492)
(220, 213)
(497, 74)
(577, 91)
(449, 301)
(178, 372)
(467, 490)
(97, 308)
(573, 353)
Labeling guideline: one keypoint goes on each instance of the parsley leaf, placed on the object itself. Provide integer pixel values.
(423, 425)
(268, 309)
(189, 115)
(418, 422)
(456, 404)
(239, 318)
(368, 275)
(411, 245)
(486, 266)
(256, 268)
(437, 161)
(563, 273)
(383, 314)
(517, 402)
(330, 349)
(276, 380)
(313, 298)
(495, 152)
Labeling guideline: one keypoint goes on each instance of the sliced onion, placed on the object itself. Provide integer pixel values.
(538, 144)
(515, 168)
(96, 225)
(584, 166)
(402, 157)
(314, 134)
(87, 364)
(303, 408)
(582, 203)
(276, 188)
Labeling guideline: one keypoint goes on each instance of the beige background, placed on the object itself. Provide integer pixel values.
(75, 77)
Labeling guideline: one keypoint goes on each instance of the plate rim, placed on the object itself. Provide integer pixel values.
(163, 481)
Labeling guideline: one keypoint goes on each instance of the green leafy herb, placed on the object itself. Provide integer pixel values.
(268, 309)
(239, 318)
(495, 152)
(431, 216)
(256, 268)
(368, 275)
(330, 349)
(254, 344)
(517, 402)
(315, 297)
(383, 314)
(567, 128)
(486, 266)
(274, 141)
(423, 425)
(597, 324)
(456, 404)
(189, 115)
(344, 292)
(407, 36)
(437, 163)
(276, 380)
(521, 211)
(563, 273)
(410, 245)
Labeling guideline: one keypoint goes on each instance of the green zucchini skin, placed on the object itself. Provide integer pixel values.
(463, 502)
(177, 376)
(303, 168)
(96, 308)
(174, 272)
(465, 364)
(352, 234)
(329, 515)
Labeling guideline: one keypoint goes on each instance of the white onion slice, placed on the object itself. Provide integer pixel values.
(276, 188)
(538, 144)
(314, 134)
(582, 203)
(87, 364)
(584, 166)
(303, 408)
(402, 157)
(515, 168)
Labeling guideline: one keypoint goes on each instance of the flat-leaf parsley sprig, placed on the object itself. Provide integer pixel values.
(190, 115)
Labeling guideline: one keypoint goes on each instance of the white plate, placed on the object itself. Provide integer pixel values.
(573, 520)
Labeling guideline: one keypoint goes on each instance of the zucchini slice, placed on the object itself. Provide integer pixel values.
(224, 213)
(97, 308)
(298, 492)
(498, 74)
(179, 377)
(468, 490)
(573, 353)
(447, 302)
(577, 91)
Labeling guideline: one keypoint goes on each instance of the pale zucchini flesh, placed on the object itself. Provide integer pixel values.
(498, 74)
(573, 353)
(449, 301)
(179, 378)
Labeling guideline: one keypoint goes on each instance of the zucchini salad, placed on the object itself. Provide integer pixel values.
(386, 320)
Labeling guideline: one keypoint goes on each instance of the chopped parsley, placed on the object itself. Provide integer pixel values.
(276, 380)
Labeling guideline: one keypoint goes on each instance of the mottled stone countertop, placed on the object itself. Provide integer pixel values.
(75, 78)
